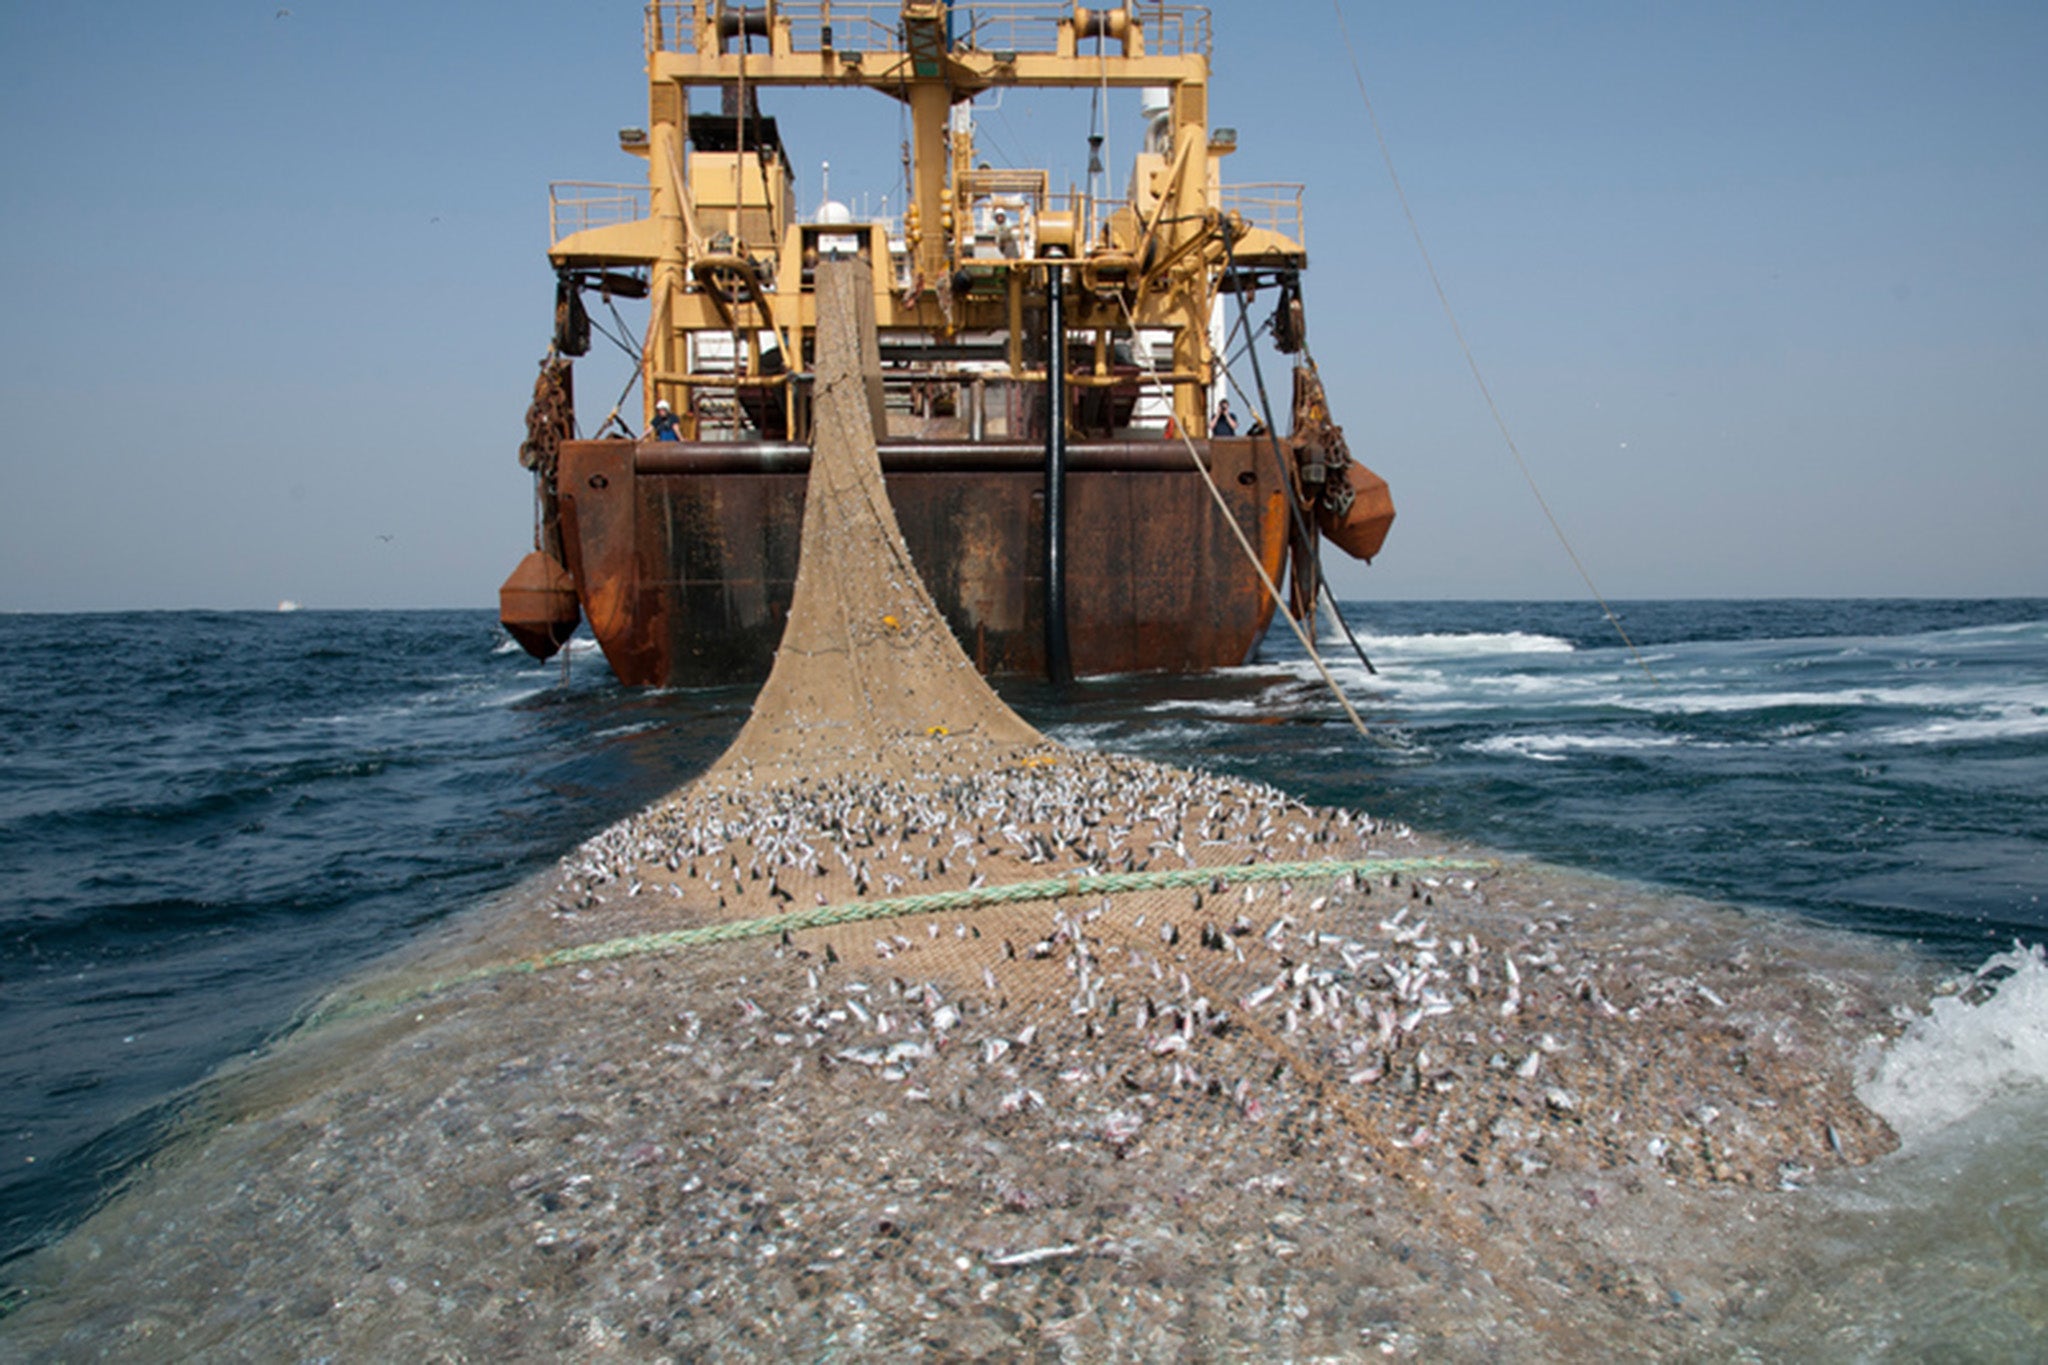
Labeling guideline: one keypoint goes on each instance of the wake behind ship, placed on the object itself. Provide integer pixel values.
(1050, 363)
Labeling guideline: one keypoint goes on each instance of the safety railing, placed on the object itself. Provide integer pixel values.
(576, 205)
(867, 26)
(1271, 205)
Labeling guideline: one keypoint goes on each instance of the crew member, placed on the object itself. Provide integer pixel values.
(666, 427)
(1225, 424)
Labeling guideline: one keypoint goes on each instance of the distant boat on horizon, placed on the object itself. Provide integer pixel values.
(287, 604)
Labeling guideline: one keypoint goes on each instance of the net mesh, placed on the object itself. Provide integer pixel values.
(1190, 916)
(868, 680)
(787, 1070)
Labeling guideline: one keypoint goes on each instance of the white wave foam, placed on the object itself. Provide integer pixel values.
(1555, 748)
(1082, 733)
(1461, 644)
(1961, 1055)
(2018, 722)
(1211, 706)
(578, 644)
(1419, 687)
(1991, 632)
(638, 727)
(1927, 697)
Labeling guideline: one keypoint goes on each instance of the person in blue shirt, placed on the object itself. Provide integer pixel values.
(1225, 424)
(666, 427)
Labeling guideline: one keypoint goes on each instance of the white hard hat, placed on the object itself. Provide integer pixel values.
(661, 405)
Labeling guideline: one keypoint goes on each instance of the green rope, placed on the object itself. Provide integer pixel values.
(933, 902)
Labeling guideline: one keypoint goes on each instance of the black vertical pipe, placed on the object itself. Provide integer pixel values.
(1059, 665)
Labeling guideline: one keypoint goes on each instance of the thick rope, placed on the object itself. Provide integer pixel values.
(900, 907)
(1308, 644)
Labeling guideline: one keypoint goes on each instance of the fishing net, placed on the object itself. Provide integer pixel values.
(868, 681)
(880, 778)
(905, 1030)
(1202, 936)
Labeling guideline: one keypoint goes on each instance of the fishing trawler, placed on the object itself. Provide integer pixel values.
(1050, 361)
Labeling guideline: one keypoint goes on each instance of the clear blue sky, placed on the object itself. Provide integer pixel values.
(1762, 289)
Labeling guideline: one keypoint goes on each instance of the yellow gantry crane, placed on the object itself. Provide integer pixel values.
(961, 277)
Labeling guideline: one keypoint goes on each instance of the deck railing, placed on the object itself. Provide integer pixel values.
(574, 205)
(1272, 205)
(867, 26)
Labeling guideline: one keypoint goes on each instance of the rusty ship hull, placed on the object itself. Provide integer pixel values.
(1049, 368)
(685, 554)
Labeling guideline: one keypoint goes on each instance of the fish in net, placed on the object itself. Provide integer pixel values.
(904, 1027)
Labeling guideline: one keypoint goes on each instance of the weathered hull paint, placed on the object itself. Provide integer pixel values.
(685, 559)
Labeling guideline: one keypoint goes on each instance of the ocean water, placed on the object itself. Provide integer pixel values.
(1879, 765)
(206, 818)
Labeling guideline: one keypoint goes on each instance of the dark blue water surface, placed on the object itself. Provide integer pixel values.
(205, 818)
(1880, 765)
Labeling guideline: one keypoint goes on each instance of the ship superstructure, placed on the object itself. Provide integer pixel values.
(1094, 541)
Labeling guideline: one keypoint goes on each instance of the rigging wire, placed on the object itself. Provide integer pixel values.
(1099, 155)
(1308, 644)
(1323, 588)
(639, 357)
(1238, 339)
(615, 338)
(983, 133)
(617, 403)
(913, 297)
(1471, 361)
(612, 306)
(1010, 158)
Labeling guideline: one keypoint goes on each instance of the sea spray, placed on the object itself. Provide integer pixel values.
(1939, 1251)
(1984, 1043)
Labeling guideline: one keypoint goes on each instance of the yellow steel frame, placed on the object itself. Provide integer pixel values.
(1152, 265)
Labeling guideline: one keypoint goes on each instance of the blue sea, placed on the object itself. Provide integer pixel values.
(207, 818)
